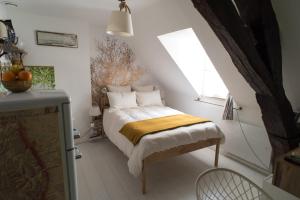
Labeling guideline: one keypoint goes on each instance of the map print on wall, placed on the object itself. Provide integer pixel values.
(114, 64)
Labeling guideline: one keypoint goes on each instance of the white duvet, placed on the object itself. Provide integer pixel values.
(113, 121)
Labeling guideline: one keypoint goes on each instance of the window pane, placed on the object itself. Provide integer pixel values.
(214, 86)
(187, 52)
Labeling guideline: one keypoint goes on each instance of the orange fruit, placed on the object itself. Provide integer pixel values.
(25, 76)
(15, 69)
(8, 76)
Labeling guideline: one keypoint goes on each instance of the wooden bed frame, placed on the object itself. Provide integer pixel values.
(176, 151)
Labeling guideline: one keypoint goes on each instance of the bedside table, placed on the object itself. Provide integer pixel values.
(97, 128)
(96, 122)
(287, 174)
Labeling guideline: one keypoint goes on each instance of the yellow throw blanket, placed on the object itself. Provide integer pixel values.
(134, 131)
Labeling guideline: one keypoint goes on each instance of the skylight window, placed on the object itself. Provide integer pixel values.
(188, 53)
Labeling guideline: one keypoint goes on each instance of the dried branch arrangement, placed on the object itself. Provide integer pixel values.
(114, 64)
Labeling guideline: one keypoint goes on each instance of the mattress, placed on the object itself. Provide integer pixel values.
(115, 119)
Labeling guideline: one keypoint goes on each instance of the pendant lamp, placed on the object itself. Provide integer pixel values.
(120, 22)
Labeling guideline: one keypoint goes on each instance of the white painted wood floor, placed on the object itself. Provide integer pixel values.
(103, 174)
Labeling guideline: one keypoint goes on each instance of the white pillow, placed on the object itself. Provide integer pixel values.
(122, 99)
(149, 98)
(114, 88)
(146, 88)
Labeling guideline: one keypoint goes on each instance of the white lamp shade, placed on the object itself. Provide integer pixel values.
(120, 23)
(94, 111)
(3, 31)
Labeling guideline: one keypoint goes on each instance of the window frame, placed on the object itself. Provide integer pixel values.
(185, 68)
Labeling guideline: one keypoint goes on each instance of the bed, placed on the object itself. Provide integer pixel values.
(158, 146)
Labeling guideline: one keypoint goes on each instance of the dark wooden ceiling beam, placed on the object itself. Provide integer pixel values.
(260, 16)
(249, 32)
(236, 38)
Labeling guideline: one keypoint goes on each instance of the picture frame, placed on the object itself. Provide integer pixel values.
(56, 39)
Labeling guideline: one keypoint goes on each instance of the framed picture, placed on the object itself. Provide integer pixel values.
(56, 39)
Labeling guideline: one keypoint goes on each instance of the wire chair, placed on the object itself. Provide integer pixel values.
(225, 184)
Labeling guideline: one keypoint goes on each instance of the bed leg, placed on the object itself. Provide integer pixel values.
(217, 154)
(143, 178)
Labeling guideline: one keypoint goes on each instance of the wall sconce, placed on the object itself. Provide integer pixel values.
(94, 111)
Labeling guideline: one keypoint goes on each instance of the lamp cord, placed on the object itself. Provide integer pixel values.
(248, 143)
(123, 5)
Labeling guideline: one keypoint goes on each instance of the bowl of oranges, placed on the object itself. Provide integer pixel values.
(16, 79)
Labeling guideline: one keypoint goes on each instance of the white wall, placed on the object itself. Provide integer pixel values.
(96, 34)
(173, 15)
(287, 13)
(72, 65)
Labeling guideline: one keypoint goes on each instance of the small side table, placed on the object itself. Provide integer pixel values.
(96, 122)
(97, 128)
(275, 192)
(287, 174)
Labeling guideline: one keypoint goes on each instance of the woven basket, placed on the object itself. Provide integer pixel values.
(17, 86)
